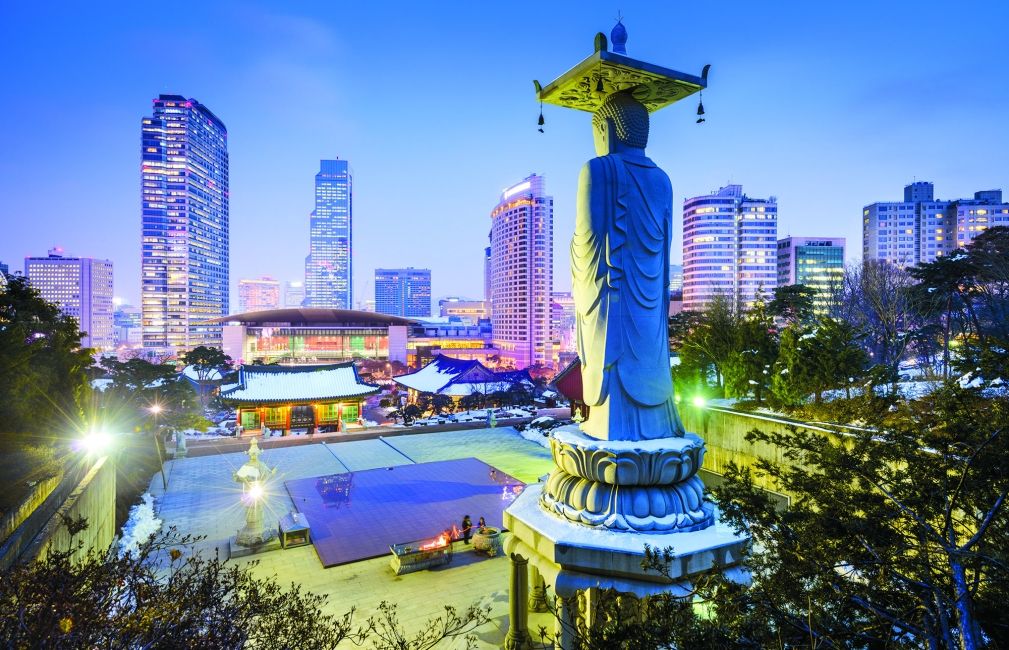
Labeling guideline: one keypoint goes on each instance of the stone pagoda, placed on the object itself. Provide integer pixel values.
(626, 477)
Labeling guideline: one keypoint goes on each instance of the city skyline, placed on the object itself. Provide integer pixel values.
(868, 89)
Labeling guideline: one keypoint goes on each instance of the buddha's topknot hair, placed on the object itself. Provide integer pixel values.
(629, 116)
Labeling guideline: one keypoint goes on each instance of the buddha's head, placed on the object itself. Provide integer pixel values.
(620, 124)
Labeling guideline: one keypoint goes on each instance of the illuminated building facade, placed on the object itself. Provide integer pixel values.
(294, 293)
(563, 323)
(921, 228)
(816, 262)
(522, 273)
(312, 336)
(185, 227)
(257, 295)
(974, 216)
(403, 292)
(82, 287)
(328, 267)
(729, 248)
(468, 311)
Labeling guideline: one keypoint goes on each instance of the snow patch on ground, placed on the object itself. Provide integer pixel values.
(140, 525)
(535, 435)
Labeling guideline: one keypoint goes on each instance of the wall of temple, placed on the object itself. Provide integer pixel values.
(94, 499)
(724, 431)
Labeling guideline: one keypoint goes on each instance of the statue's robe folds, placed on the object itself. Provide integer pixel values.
(620, 275)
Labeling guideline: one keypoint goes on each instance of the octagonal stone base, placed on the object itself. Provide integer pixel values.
(572, 557)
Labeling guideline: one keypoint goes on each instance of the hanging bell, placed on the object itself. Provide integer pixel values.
(599, 85)
(700, 107)
(541, 120)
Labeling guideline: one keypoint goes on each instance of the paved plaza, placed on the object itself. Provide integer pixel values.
(202, 499)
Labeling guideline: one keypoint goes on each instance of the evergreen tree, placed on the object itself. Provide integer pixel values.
(794, 303)
(44, 382)
(748, 367)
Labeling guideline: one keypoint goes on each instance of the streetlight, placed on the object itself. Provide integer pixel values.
(155, 410)
(96, 442)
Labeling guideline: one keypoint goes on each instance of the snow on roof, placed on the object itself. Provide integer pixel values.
(258, 384)
(457, 377)
(189, 372)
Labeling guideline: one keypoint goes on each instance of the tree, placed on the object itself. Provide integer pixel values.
(876, 298)
(794, 303)
(896, 535)
(748, 367)
(162, 597)
(43, 368)
(440, 403)
(944, 293)
(472, 401)
(411, 412)
(206, 362)
(710, 341)
(813, 360)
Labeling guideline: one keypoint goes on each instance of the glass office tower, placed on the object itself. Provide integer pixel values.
(328, 268)
(185, 229)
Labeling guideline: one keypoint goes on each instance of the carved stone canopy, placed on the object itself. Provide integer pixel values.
(585, 86)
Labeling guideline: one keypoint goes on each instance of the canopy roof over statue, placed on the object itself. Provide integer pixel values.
(585, 86)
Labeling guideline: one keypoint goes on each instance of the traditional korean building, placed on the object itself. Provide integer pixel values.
(568, 383)
(313, 398)
(458, 378)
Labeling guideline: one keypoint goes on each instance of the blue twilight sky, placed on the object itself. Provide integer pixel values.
(826, 105)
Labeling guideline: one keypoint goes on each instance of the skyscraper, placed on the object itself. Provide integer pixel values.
(258, 295)
(921, 228)
(82, 287)
(403, 292)
(816, 262)
(185, 228)
(294, 293)
(522, 236)
(329, 274)
(729, 248)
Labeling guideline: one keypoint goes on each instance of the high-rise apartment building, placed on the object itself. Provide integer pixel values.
(329, 276)
(258, 295)
(294, 293)
(729, 248)
(522, 234)
(921, 228)
(82, 287)
(403, 292)
(816, 262)
(563, 321)
(185, 229)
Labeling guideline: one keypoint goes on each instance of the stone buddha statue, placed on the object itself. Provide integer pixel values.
(620, 280)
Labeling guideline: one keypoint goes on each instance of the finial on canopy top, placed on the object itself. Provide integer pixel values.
(618, 36)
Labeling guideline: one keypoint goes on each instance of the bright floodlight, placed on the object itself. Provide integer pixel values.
(96, 442)
(698, 401)
(256, 492)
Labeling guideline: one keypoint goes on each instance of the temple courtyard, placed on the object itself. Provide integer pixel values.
(202, 499)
